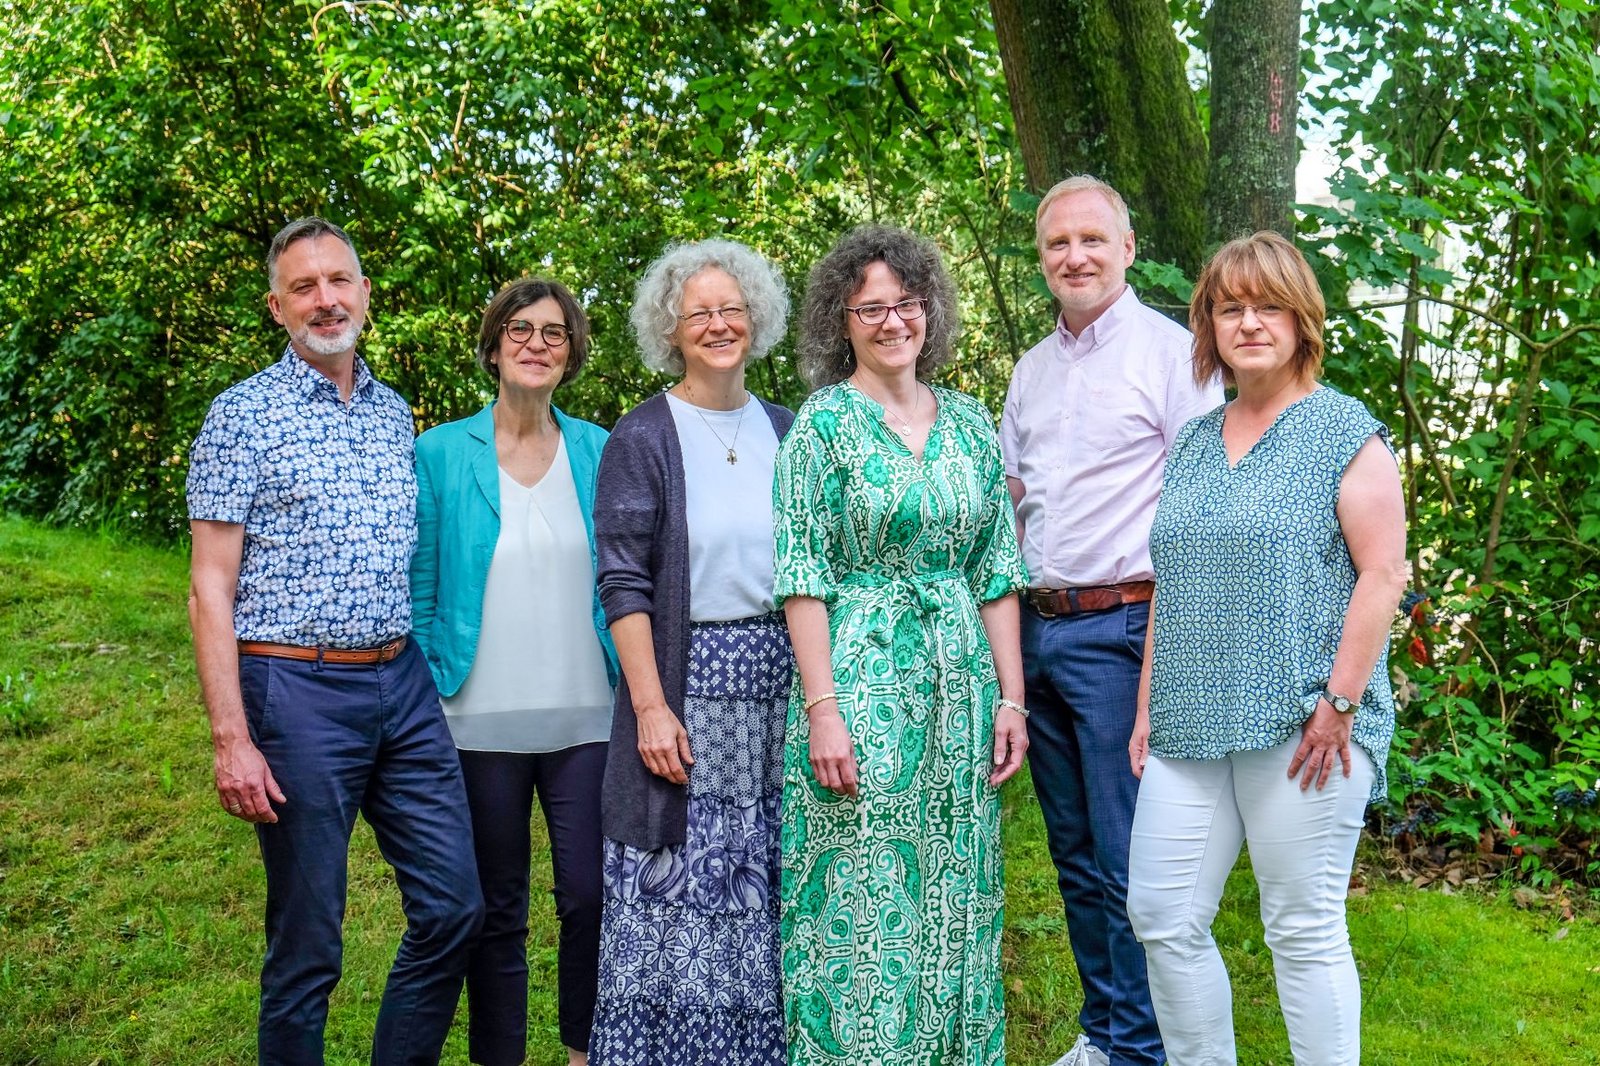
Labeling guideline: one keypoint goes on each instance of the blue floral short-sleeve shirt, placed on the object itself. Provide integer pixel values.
(1253, 579)
(327, 494)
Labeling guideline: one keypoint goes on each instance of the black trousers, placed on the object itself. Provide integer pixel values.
(500, 790)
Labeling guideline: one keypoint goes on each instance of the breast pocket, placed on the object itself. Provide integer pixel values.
(1118, 418)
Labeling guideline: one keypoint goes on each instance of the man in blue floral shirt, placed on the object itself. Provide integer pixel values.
(302, 502)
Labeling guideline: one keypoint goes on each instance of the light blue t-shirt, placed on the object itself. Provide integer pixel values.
(1253, 579)
(728, 507)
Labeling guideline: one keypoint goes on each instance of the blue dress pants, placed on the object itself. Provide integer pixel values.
(343, 739)
(1082, 675)
(501, 786)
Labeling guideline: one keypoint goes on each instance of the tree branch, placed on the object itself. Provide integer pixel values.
(1493, 320)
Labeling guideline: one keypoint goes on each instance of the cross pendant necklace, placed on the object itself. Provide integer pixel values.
(728, 446)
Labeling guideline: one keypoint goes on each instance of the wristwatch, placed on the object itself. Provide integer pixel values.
(1342, 704)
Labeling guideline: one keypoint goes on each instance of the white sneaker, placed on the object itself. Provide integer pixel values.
(1083, 1053)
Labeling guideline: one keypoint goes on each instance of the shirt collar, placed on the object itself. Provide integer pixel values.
(307, 379)
(1101, 330)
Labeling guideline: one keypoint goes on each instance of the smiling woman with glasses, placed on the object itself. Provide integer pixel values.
(689, 954)
(505, 609)
(1265, 711)
(897, 568)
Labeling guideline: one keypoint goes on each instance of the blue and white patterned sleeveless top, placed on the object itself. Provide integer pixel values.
(1253, 578)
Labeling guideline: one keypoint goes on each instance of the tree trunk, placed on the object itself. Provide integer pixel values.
(1255, 96)
(1098, 87)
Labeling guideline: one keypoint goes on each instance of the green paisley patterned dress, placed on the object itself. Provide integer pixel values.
(892, 902)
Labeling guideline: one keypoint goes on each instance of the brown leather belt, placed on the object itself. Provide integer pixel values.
(343, 656)
(1052, 603)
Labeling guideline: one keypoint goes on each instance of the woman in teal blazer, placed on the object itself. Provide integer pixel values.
(505, 609)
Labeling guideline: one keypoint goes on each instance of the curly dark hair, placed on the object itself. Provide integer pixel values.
(824, 351)
(513, 298)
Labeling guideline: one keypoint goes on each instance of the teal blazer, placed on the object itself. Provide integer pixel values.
(458, 525)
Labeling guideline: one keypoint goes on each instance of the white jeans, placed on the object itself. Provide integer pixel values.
(1191, 817)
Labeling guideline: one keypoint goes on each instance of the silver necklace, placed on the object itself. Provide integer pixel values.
(728, 446)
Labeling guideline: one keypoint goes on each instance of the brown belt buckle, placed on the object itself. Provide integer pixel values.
(1047, 602)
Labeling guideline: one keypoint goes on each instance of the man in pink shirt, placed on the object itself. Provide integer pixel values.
(1088, 419)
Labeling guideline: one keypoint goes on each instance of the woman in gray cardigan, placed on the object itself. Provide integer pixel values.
(689, 969)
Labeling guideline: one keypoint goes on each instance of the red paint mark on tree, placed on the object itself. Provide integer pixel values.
(1275, 101)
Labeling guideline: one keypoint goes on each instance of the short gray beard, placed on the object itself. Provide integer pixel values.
(326, 347)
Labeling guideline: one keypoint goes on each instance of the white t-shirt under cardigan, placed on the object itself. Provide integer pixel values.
(729, 508)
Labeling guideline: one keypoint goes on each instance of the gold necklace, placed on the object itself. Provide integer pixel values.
(905, 423)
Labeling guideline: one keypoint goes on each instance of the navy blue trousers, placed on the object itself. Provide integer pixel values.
(369, 739)
(1082, 675)
(501, 787)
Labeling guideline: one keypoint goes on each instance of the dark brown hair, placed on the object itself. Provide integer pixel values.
(513, 298)
(824, 351)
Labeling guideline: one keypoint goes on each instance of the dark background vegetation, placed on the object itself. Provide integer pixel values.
(148, 151)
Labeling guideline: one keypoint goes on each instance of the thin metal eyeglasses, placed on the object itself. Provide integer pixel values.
(702, 318)
(1234, 312)
(909, 310)
(521, 331)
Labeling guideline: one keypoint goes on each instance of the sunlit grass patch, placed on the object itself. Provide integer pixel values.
(130, 905)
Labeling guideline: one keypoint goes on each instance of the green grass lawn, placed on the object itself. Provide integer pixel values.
(130, 927)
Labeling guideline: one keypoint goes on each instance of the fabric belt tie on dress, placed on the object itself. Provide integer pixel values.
(916, 592)
(342, 656)
(1053, 603)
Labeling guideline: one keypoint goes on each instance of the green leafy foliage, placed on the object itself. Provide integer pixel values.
(149, 149)
(1464, 237)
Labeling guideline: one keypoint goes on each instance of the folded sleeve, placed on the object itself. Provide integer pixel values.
(807, 513)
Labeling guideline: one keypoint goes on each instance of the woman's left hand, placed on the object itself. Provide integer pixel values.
(1010, 744)
(1324, 738)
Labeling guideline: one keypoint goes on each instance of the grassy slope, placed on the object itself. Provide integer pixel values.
(129, 904)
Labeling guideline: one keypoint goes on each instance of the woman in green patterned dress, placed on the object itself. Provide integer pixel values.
(897, 566)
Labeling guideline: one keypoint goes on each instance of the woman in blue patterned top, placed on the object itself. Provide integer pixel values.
(1265, 712)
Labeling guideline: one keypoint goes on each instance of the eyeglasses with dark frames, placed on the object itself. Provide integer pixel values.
(702, 318)
(909, 310)
(521, 331)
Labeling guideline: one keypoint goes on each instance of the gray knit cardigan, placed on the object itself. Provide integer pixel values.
(641, 533)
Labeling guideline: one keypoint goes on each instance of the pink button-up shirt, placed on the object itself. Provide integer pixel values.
(1087, 424)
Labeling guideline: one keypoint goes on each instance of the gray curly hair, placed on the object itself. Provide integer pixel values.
(659, 295)
(824, 351)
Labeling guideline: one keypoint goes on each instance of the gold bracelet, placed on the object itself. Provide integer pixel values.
(1015, 706)
(819, 699)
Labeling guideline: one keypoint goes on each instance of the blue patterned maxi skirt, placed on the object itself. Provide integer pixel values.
(689, 959)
